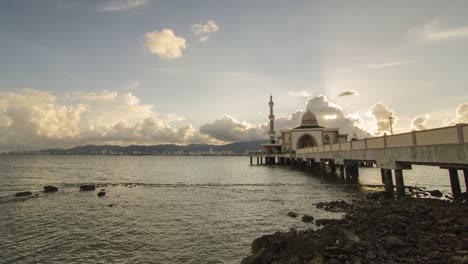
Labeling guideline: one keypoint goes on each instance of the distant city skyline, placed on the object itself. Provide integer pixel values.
(150, 72)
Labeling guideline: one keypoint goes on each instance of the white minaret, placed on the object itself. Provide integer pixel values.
(272, 122)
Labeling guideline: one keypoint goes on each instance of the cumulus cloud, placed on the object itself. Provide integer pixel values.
(328, 114)
(433, 31)
(165, 43)
(461, 114)
(32, 119)
(204, 30)
(348, 93)
(419, 122)
(228, 129)
(381, 114)
(121, 5)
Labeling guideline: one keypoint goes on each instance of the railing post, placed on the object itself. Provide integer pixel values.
(413, 135)
(460, 133)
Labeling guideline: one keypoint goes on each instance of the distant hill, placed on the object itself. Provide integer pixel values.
(237, 148)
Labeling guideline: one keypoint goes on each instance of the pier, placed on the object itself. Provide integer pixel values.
(445, 147)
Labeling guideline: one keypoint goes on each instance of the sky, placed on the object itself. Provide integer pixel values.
(153, 71)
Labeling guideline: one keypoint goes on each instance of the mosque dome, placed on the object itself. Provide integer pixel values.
(309, 119)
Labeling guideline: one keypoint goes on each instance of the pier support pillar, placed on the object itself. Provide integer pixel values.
(388, 181)
(341, 171)
(356, 172)
(251, 160)
(465, 174)
(455, 182)
(400, 185)
(261, 160)
(319, 168)
(258, 160)
(382, 174)
(347, 171)
(332, 167)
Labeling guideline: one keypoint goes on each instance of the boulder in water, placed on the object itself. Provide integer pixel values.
(87, 187)
(436, 193)
(307, 218)
(101, 193)
(20, 194)
(50, 188)
(292, 214)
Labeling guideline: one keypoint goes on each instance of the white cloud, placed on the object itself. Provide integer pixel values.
(328, 114)
(121, 5)
(32, 119)
(165, 43)
(348, 93)
(433, 31)
(461, 114)
(204, 30)
(419, 122)
(388, 64)
(305, 93)
(228, 129)
(381, 114)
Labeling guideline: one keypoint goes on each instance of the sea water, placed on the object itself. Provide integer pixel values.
(161, 209)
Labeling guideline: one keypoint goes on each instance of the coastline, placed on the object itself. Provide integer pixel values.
(375, 229)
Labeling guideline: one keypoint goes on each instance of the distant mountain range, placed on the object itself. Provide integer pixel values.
(237, 148)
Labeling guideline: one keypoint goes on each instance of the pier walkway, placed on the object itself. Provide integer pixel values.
(445, 147)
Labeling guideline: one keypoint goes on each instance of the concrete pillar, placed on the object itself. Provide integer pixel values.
(251, 160)
(465, 174)
(455, 182)
(400, 185)
(318, 165)
(388, 181)
(258, 160)
(382, 174)
(261, 160)
(347, 172)
(341, 173)
(356, 172)
(332, 167)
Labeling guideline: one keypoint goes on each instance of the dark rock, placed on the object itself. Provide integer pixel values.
(436, 193)
(334, 206)
(392, 241)
(87, 187)
(50, 188)
(325, 222)
(20, 194)
(307, 218)
(111, 205)
(101, 193)
(378, 195)
(349, 235)
(316, 260)
(292, 214)
(376, 231)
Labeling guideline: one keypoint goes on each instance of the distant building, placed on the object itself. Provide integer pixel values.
(308, 134)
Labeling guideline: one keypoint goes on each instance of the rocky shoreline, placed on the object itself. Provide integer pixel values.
(376, 229)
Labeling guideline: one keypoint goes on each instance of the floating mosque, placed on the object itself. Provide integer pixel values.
(308, 134)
